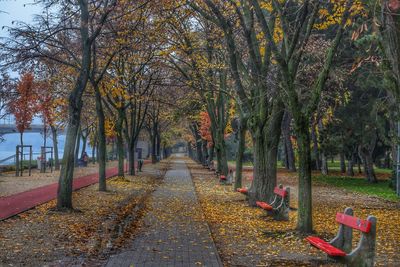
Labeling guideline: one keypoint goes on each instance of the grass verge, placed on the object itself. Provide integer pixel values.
(380, 189)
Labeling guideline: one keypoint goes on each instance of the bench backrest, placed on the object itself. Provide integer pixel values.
(353, 222)
(280, 192)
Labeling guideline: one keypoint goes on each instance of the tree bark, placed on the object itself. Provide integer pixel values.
(158, 139)
(304, 221)
(101, 137)
(369, 167)
(220, 150)
(324, 164)
(350, 170)
(131, 153)
(154, 146)
(120, 144)
(64, 192)
(240, 153)
(84, 143)
(316, 154)
(342, 162)
(266, 141)
(77, 146)
(289, 153)
(55, 145)
(21, 168)
(205, 152)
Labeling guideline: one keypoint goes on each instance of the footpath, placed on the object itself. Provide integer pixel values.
(176, 233)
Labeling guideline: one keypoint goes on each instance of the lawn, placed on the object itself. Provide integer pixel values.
(380, 189)
(334, 166)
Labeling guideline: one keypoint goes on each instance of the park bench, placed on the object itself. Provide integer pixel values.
(340, 248)
(279, 207)
(243, 190)
(226, 179)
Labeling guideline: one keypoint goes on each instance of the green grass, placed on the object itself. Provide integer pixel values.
(335, 165)
(359, 185)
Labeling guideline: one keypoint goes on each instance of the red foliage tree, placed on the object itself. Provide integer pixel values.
(205, 127)
(24, 107)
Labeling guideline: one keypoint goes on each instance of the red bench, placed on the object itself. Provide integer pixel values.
(243, 190)
(223, 179)
(340, 248)
(279, 207)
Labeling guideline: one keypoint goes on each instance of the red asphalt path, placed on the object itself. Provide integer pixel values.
(20, 202)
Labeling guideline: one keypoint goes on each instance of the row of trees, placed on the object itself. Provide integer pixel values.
(310, 72)
(102, 66)
(284, 71)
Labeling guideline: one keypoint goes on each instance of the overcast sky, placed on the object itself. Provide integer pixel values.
(16, 10)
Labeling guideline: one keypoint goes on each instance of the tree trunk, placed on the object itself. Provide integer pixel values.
(21, 139)
(158, 140)
(394, 164)
(358, 164)
(342, 162)
(205, 152)
(220, 150)
(77, 146)
(102, 142)
(131, 153)
(64, 192)
(324, 164)
(121, 155)
(94, 154)
(154, 148)
(190, 150)
(240, 153)
(350, 170)
(289, 153)
(211, 153)
(55, 145)
(84, 143)
(316, 154)
(369, 167)
(120, 144)
(199, 152)
(266, 143)
(304, 221)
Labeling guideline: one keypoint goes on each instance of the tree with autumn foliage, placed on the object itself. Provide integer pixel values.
(24, 107)
(205, 127)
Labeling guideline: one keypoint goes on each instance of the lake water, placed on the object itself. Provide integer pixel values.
(7, 147)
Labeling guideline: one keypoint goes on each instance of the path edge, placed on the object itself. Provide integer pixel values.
(202, 213)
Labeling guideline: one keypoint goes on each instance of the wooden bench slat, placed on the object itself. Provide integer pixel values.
(264, 205)
(353, 222)
(242, 190)
(280, 191)
(325, 246)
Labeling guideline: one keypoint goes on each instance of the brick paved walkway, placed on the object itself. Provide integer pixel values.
(176, 233)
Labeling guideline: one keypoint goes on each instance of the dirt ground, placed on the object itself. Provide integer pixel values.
(101, 223)
(10, 184)
(246, 236)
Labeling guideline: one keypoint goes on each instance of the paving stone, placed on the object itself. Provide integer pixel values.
(177, 234)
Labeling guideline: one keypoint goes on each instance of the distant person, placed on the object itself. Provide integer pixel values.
(85, 159)
(140, 164)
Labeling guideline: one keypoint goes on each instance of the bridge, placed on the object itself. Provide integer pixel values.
(12, 128)
(8, 125)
